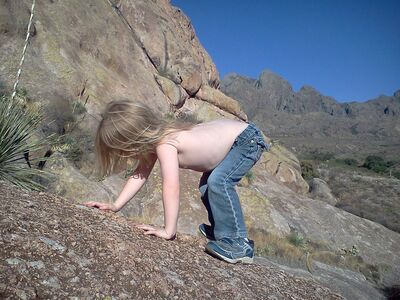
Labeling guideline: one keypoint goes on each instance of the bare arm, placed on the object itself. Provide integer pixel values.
(132, 186)
(168, 157)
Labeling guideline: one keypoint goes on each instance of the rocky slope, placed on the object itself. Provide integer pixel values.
(144, 50)
(370, 196)
(306, 120)
(51, 249)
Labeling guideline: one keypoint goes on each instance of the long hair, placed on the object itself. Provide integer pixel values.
(128, 133)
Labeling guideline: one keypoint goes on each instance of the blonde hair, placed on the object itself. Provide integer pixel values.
(128, 133)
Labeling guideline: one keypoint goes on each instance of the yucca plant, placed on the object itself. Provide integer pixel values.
(18, 125)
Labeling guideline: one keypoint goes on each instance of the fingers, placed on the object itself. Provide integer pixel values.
(159, 232)
(94, 204)
(99, 205)
(151, 232)
(145, 227)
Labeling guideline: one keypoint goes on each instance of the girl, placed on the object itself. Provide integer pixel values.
(224, 150)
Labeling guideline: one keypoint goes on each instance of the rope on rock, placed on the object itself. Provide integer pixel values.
(28, 34)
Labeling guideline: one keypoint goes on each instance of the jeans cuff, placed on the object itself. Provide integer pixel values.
(231, 235)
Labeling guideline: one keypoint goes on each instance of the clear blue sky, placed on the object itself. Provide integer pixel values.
(349, 50)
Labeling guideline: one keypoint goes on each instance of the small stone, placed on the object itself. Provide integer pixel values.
(21, 294)
(36, 264)
(52, 282)
(133, 282)
(52, 243)
(14, 261)
(76, 279)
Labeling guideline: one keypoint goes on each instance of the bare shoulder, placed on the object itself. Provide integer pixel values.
(165, 149)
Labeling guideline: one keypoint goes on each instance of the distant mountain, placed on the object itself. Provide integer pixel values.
(307, 120)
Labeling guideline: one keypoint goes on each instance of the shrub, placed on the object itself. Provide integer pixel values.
(376, 164)
(297, 239)
(74, 146)
(249, 176)
(350, 161)
(74, 150)
(396, 174)
(18, 125)
(307, 170)
(78, 107)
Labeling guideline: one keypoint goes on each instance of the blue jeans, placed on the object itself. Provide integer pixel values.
(217, 187)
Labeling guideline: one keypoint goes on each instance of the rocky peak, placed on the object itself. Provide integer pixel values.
(270, 80)
(309, 90)
(306, 117)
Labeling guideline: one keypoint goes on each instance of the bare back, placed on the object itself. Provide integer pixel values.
(204, 146)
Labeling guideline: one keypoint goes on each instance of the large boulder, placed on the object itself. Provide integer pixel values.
(51, 248)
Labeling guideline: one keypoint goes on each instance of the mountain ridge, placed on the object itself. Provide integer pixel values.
(286, 114)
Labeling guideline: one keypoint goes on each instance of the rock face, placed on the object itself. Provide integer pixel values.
(320, 190)
(141, 50)
(50, 248)
(350, 285)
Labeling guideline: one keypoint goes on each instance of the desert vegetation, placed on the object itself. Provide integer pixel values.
(374, 163)
(379, 165)
(296, 250)
(365, 186)
(308, 170)
(20, 147)
(30, 133)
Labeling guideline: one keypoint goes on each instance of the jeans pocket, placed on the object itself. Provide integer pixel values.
(260, 150)
(261, 142)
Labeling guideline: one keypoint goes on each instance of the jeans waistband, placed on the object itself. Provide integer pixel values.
(251, 132)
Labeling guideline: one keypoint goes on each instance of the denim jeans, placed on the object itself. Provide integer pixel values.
(217, 187)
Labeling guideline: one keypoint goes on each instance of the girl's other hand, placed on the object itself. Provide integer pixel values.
(159, 232)
(101, 205)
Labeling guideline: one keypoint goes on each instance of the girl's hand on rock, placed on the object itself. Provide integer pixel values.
(101, 205)
(159, 232)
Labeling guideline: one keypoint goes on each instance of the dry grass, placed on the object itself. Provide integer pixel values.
(296, 251)
(279, 248)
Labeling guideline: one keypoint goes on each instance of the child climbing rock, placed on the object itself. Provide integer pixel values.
(223, 150)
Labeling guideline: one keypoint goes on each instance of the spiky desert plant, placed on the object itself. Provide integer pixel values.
(18, 125)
